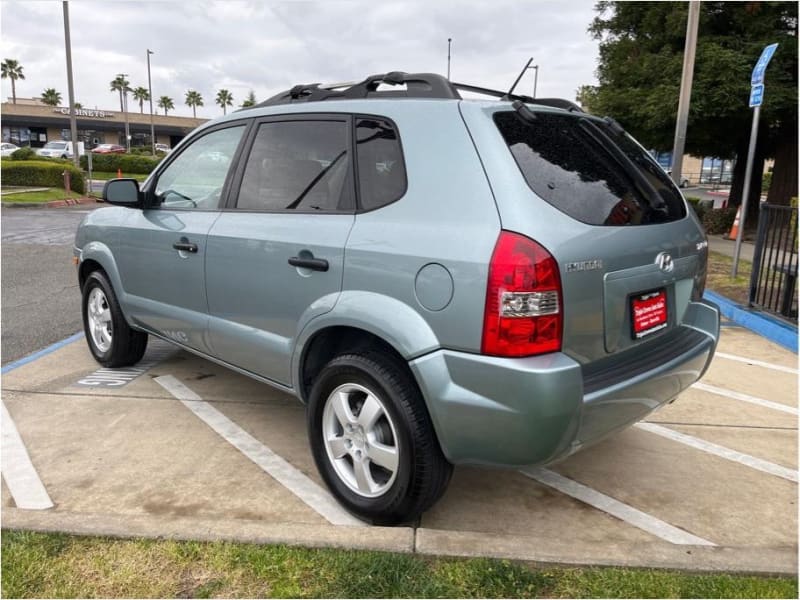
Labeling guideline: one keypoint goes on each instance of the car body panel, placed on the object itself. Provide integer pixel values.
(256, 299)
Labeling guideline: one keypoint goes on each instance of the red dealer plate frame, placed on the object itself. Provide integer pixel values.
(649, 313)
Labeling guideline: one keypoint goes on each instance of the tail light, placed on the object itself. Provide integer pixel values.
(523, 314)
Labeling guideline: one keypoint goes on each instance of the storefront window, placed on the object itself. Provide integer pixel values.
(21, 136)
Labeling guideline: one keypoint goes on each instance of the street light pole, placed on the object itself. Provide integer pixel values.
(686, 91)
(449, 40)
(150, 92)
(125, 111)
(73, 123)
(535, 78)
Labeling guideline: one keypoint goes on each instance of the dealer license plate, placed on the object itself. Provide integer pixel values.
(648, 313)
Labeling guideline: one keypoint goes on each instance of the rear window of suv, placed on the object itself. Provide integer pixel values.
(589, 170)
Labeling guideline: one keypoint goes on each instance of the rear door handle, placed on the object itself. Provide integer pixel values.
(185, 245)
(315, 264)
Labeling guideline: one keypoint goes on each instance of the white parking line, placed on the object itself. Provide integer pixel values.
(21, 477)
(618, 509)
(758, 363)
(745, 398)
(292, 479)
(721, 451)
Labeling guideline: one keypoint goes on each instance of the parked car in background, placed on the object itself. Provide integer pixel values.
(108, 149)
(684, 179)
(60, 149)
(6, 148)
(163, 148)
(532, 294)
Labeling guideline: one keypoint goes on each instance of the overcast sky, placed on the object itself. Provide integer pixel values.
(270, 46)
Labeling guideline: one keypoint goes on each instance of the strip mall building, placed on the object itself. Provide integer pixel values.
(31, 123)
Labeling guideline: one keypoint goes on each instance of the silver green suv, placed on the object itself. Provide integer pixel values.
(442, 281)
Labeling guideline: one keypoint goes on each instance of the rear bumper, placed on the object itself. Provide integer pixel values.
(515, 412)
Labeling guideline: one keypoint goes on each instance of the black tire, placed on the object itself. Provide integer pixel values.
(422, 472)
(126, 346)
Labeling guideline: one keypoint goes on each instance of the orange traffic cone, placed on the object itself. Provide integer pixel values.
(119, 176)
(735, 228)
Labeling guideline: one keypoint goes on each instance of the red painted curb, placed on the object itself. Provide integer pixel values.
(70, 202)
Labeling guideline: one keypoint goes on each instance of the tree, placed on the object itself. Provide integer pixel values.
(141, 95)
(194, 99)
(250, 101)
(121, 85)
(166, 103)
(11, 69)
(224, 99)
(78, 105)
(639, 73)
(51, 97)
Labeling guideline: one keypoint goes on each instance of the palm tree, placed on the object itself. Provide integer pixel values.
(78, 105)
(194, 99)
(51, 97)
(141, 95)
(224, 99)
(166, 103)
(11, 69)
(250, 101)
(121, 85)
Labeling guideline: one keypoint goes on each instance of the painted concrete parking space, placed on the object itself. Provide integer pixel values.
(181, 447)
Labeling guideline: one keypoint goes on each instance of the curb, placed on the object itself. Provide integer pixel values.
(773, 329)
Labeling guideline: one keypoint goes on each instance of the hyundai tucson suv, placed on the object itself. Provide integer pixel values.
(441, 281)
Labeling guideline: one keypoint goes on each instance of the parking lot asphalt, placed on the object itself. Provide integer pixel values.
(181, 447)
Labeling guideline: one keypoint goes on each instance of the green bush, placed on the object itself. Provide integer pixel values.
(766, 181)
(719, 220)
(700, 206)
(128, 163)
(41, 173)
(26, 153)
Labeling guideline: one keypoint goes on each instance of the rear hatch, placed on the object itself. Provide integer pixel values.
(630, 256)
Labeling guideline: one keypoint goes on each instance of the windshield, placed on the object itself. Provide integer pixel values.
(587, 170)
(56, 145)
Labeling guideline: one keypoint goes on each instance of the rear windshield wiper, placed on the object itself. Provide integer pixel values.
(645, 189)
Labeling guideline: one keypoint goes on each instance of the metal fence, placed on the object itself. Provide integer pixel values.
(773, 282)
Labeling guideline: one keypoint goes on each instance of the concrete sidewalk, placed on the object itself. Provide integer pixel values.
(717, 243)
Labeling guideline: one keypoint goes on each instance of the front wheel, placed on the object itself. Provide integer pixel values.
(111, 340)
(373, 441)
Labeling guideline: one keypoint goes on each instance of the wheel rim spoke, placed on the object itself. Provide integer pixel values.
(371, 411)
(383, 456)
(341, 405)
(99, 319)
(363, 476)
(104, 316)
(338, 446)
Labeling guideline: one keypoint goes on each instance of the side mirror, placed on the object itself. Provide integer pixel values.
(124, 192)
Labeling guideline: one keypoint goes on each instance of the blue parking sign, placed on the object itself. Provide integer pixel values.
(756, 95)
(761, 65)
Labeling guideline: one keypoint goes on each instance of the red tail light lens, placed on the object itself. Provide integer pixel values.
(523, 314)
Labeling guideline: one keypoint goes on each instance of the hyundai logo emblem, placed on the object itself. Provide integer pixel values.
(664, 262)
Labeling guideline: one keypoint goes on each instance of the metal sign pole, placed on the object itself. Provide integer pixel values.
(748, 173)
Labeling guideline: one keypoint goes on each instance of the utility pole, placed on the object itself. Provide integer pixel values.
(449, 40)
(686, 90)
(150, 92)
(73, 122)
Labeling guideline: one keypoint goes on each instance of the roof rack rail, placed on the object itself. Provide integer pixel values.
(418, 85)
(554, 102)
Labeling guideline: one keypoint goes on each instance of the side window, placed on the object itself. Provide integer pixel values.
(381, 171)
(298, 165)
(196, 177)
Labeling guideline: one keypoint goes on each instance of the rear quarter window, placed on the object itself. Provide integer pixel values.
(589, 171)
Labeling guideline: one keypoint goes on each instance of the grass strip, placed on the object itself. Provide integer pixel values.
(719, 277)
(47, 196)
(106, 175)
(37, 565)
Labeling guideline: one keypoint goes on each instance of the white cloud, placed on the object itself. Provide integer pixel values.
(270, 46)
